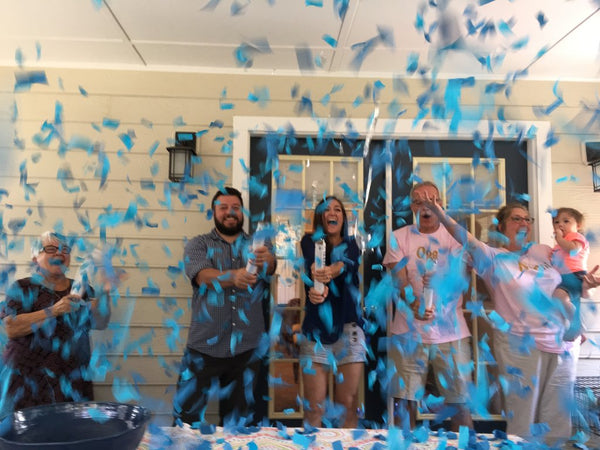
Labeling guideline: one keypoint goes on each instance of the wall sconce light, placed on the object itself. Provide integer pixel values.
(592, 154)
(180, 155)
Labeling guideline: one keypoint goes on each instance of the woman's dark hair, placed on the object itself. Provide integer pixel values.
(320, 210)
(504, 213)
(227, 190)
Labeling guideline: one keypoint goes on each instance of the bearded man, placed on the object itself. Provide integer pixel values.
(227, 316)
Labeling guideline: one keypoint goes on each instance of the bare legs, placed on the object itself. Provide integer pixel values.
(346, 393)
(315, 389)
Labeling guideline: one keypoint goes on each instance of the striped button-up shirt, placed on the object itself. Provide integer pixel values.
(225, 321)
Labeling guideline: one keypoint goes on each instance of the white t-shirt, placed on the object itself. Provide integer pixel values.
(522, 285)
(409, 246)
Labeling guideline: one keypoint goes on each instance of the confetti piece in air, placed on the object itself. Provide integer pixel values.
(83, 91)
(506, 28)
(499, 322)
(126, 140)
(332, 42)
(551, 139)
(16, 225)
(305, 59)
(179, 122)
(363, 49)
(211, 5)
(38, 51)
(237, 8)
(520, 43)
(545, 111)
(19, 57)
(261, 96)
(317, 3)
(153, 148)
(103, 168)
(246, 52)
(97, 415)
(542, 19)
(123, 391)
(97, 4)
(111, 124)
(340, 7)
(24, 80)
(412, 63)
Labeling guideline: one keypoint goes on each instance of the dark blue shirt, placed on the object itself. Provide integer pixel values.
(325, 322)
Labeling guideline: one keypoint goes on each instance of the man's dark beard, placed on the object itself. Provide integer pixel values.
(229, 231)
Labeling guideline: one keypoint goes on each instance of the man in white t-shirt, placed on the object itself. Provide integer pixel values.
(428, 329)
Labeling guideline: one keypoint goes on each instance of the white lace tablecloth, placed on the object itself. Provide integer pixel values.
(324, 438)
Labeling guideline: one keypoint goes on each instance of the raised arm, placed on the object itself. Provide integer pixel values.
(462, 236)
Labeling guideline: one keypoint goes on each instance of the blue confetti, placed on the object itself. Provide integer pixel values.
(330, 40)
(126, 140)
(24, 80)
(340, 7)
(179, 122)
(305, 59)
(520, 43)
(111, 124)
(82, 91)
(19, 57)
(260, 95)
(541, 18)
(412, 63)
(153, 148)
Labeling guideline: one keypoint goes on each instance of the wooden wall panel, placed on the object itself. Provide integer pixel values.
(161, 98)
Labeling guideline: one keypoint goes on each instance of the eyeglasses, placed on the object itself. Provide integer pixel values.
(519, 219)
(53, 249)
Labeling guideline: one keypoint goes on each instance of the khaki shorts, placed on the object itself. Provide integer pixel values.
(451, 363)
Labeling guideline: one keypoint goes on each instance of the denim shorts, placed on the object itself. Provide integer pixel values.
(349, 348)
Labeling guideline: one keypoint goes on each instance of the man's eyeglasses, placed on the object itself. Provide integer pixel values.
(53, 249)
(519, 219)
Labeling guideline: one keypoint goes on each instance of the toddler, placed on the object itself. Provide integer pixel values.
(570, 257)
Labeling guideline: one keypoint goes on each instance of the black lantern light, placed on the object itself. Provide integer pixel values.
(592, 154)
(180, 155)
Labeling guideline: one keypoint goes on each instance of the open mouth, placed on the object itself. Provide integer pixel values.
(332, 222)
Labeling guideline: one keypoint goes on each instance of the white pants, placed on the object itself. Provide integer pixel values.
(538, 386)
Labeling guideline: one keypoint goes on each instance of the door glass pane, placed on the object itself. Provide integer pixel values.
(317, 182)
(488, 179)
(291, 174)
(345, 185)
(285, 383)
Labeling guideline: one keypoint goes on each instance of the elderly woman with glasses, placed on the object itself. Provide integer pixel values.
(48, 350)
(537, 366)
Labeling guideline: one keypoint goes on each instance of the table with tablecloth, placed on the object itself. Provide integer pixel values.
(283, 438)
